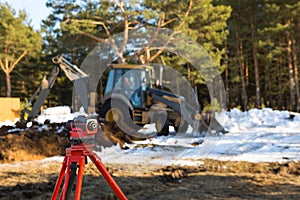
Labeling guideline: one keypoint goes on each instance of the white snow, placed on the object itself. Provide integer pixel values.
(8, 122)
(59, 114)
(55, 115)
(258, 135)
(260, 145)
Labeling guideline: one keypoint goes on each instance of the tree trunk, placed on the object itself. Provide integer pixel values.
(280, 81)
(246, 71)
(267, 93)
(8, 66)
(8, 84)
(295, 62)
(291, 71)
(226, 76)
(239, 49)
(244, 93)
(255, 62)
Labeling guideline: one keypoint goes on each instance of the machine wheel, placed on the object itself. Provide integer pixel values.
(121, 113)
(180, 126)
(122, 116)
(161, 123)
(110, 114)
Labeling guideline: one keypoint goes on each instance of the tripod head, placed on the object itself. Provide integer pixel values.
(83, 130)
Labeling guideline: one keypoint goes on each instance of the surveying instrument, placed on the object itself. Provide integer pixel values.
(82, 139)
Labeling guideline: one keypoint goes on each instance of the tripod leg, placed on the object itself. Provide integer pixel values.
(73, 162)
(73, 170)
(96, 160)
(59, 180)
(64, 193)
(81, 164)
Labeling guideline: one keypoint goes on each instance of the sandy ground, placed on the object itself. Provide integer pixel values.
(212, 180)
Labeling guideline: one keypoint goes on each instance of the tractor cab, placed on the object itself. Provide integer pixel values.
(129, 81)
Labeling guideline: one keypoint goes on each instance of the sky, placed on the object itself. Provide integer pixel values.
(36, 10)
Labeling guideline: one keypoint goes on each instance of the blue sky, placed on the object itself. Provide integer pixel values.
(36, 9)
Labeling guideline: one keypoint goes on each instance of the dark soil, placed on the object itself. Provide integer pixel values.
(37, 142)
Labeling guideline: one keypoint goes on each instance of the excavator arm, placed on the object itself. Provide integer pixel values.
(71, 71)
(36, 101)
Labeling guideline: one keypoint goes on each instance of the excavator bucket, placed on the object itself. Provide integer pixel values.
(209, 124)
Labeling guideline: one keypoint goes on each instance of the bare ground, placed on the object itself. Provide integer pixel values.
(211, 180)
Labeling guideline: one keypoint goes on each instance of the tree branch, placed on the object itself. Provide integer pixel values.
(92, 36)
(6, 66)
(126, 26)
(146, 48)
(17, 61)
(92, 22)
(119, 4)
(169, 21)
(164, 47)
(112, 41)
(2, 65)
(173, 33)
(189, 8)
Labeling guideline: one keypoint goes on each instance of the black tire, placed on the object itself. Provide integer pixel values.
(125, 114)
(122, 116)
(181, 126)
(104, 109)
(120, 112)
(161, 123)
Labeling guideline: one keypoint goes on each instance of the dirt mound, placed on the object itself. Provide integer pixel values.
(32, 143)
(40, 141)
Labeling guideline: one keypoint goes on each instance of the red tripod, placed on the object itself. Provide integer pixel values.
(76, 157)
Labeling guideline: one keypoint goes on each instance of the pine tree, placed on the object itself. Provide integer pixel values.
(17, 40)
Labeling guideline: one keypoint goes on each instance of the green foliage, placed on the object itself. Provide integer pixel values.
(212, 106)
(16, 34)
(18, 41)
(227, 29)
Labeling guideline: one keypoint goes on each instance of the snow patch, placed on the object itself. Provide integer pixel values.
(58, 114)
(9, 122)
(257, 135)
